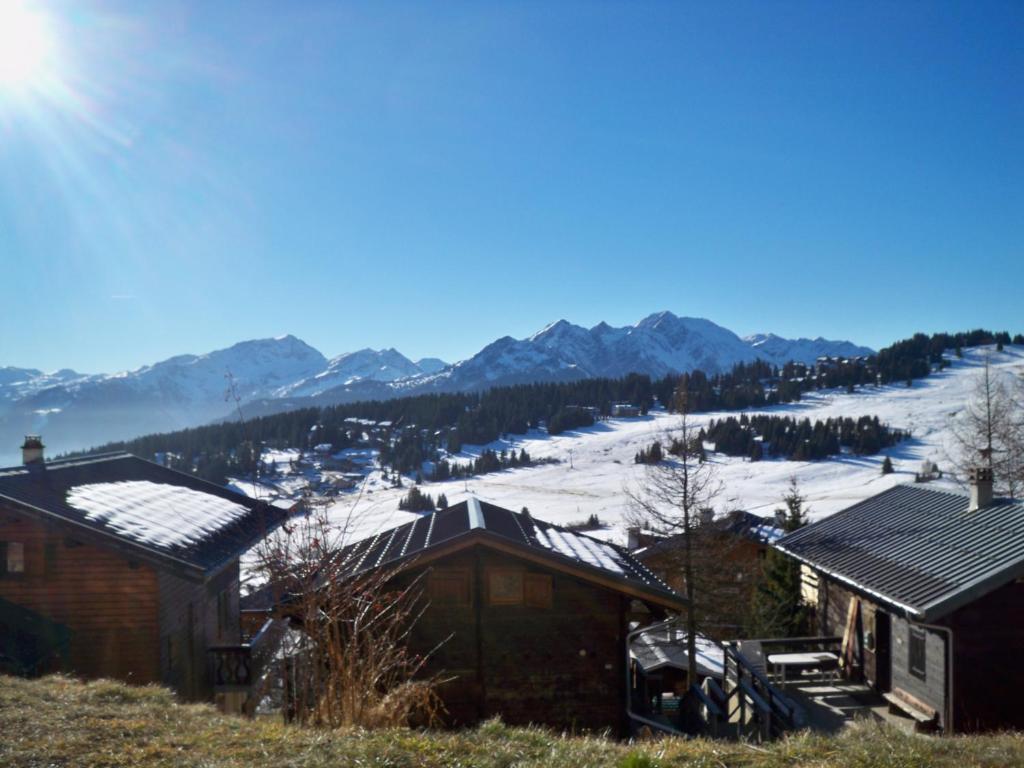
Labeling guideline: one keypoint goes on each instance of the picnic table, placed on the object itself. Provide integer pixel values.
(823, 661)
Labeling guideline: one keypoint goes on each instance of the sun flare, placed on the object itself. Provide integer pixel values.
(26, 44)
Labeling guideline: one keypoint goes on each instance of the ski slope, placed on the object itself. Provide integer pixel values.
(596, 467)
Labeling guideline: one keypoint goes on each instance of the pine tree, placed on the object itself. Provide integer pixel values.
(887, 468)
(779, 610)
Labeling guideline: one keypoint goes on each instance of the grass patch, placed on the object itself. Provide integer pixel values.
(58, 721)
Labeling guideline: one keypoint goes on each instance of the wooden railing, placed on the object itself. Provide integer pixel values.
(753, 704)
(244, 667)
(232, 667)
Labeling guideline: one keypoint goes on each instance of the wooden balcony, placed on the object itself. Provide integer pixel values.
(241, 671)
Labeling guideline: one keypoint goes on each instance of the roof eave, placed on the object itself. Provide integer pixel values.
(971, 591)
(908, 611)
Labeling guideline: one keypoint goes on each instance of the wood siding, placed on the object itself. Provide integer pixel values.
(932, 689)
(988, 644)
(190, 622)
(562, 666)
(833, 607)
(107, 601)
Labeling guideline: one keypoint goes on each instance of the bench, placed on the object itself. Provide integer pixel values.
(926, 718)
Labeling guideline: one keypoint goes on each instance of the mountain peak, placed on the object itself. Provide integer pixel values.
(552, 329)
(655, 319)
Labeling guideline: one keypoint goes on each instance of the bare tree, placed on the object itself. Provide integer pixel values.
(1011, 436)
(349, 661)
(674, 499)
(990, 430)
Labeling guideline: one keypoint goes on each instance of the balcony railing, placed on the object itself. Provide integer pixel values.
(244, 667)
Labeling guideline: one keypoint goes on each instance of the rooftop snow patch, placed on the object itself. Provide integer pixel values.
(155, 513)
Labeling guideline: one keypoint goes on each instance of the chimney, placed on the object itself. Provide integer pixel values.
(633, 538)
(980, 480)
(32, 450)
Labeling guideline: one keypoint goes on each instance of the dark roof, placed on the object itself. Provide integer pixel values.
(161, 515)
(478, 518)
(918, 550)
(738, 522)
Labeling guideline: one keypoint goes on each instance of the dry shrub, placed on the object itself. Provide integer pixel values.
(351, 665)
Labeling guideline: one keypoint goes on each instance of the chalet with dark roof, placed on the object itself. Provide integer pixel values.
(112, 566)
(927, 590)
(738, 542)
(538, 614)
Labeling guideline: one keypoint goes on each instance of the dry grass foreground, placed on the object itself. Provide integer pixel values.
(61, 722)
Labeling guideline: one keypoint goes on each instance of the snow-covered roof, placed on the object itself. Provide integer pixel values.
(474, 517)
(666, 647)
(155, 513)
(163, 516)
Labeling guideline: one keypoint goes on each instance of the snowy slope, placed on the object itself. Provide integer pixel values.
(597, 466)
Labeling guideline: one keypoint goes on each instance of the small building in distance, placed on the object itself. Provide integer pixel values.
(926, 589)
(113, 566)
(537, 614)
(625, 410)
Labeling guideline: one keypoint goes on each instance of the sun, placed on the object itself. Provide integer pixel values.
(26, 45)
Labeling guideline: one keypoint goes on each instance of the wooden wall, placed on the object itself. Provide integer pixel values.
(190, 622)
(108, 601)
(988, 643)
(739, 567)
(833, 606)
(930, 691)
(529, 644)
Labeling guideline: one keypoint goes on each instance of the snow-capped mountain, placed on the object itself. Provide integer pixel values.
(74, 411)
(657, 345)
(775, 348)
(430, 365)
(363, 365)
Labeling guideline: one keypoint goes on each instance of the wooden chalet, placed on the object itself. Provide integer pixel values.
(538, 614)
(740, 541)
(112, 566)
(926, 588)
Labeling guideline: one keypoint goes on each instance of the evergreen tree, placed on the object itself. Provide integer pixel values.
(779, 610)
(416, 501)
(887, 466)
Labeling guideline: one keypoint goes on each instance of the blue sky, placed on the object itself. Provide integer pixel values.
(186, 175)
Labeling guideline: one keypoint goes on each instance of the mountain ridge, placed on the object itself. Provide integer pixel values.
(75, 410)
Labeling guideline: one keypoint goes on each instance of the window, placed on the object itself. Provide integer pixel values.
(918, 646)
(12, 558)
(538, 590)
(505, 586)
(449, 586)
